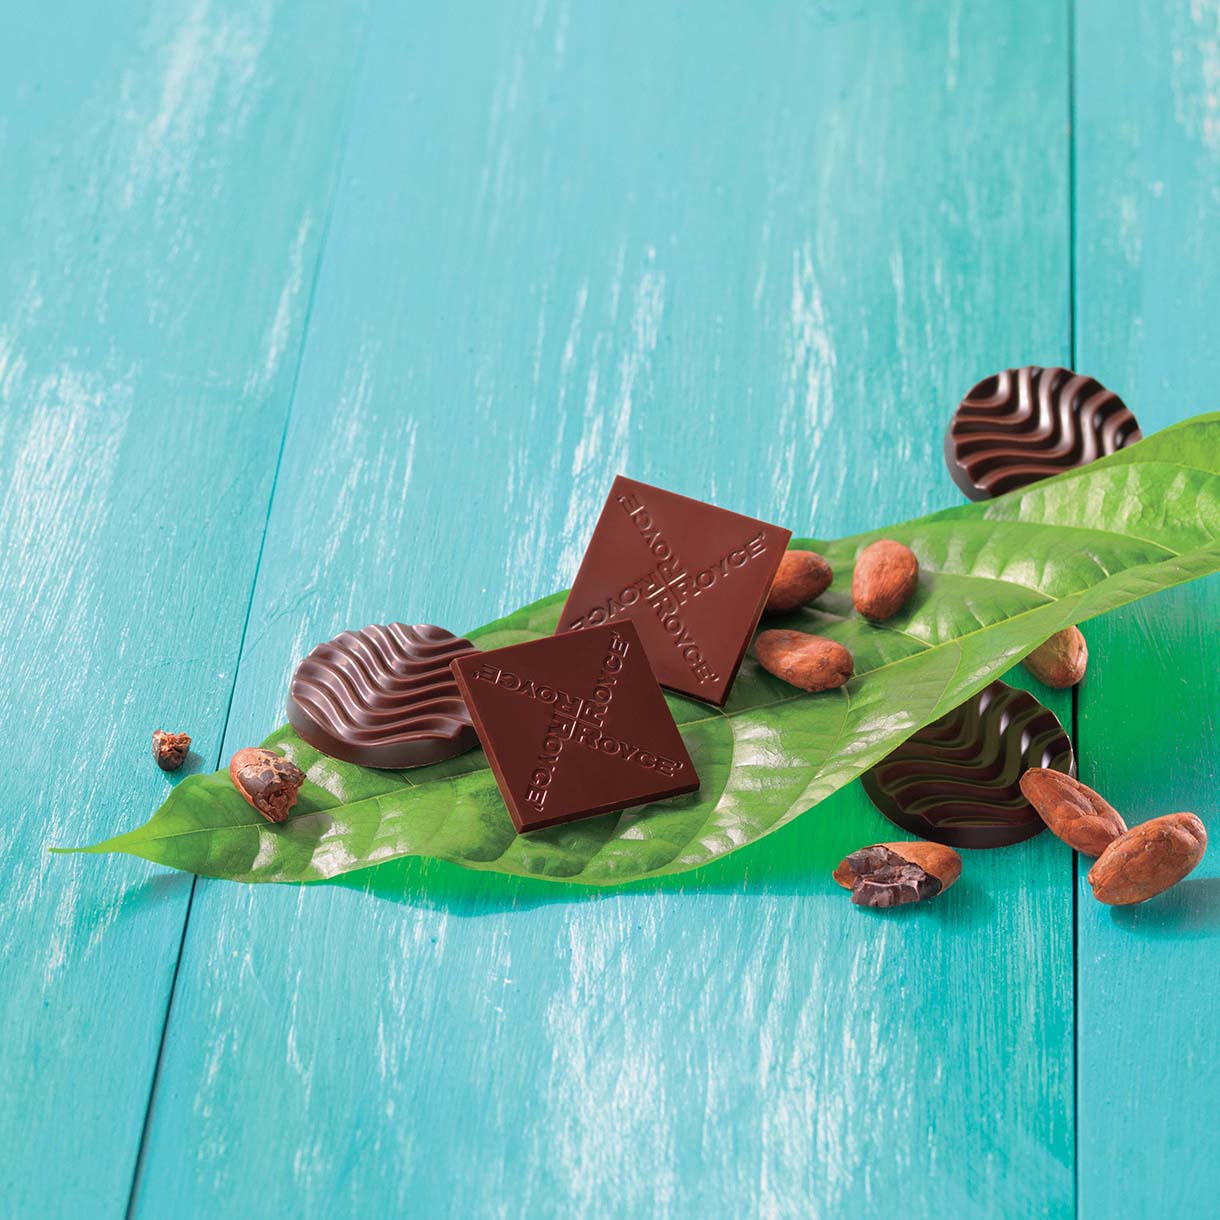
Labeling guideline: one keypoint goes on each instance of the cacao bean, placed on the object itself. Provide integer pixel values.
(1072, 811)
(1148, 859)
(800, 577)
(267, 780)
(811, 662)
(1060, 662)
(885, 577)
(894, 874)
(170, 749)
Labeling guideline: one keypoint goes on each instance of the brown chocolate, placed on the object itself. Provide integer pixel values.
(170, 749)
(575, 725)
(383, 697)
(692, 577)
(1026, 424)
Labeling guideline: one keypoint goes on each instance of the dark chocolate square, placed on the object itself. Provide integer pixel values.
(574, 725)
(692, 577)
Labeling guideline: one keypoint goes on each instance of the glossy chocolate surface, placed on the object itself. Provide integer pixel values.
(1027, 424)
(957, 781)
(383, 696)
(692, 577)
(575, 725)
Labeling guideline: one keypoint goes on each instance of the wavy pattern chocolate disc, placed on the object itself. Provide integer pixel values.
(957, 781)
(1027, 424)
(383, 697)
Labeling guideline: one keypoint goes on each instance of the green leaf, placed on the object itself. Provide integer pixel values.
(997, 578)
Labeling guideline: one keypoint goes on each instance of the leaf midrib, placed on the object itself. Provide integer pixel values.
(833, 771)
(925, 649)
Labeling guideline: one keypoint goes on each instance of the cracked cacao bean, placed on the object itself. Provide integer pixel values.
(1060, 662)
(895, 874)
(268, 781)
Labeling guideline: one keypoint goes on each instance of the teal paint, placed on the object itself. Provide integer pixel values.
(167, 173)
(1148, 289)
(755, 260)
(752, 255)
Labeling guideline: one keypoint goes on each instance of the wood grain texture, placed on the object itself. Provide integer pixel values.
(1148, 290)
(755, 257)
(167, 173)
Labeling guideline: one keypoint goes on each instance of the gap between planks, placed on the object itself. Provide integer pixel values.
(150, 1104)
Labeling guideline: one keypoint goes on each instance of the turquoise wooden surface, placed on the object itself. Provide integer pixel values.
(737, 1042)
(468, 274)
(167, 174)
(1148, 290)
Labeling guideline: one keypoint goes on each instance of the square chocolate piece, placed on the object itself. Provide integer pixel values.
(574, 725)
(692, 577)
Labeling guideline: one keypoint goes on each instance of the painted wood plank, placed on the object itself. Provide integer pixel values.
(1148, 293)
(167, 173)
(754, 255)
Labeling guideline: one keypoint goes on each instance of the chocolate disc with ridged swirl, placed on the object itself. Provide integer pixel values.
(383, 697)
(957, 781)
(1026, 424)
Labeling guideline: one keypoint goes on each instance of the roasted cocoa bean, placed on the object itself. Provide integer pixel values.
(801, 576)
(894, 874)
(885, 577)
(268, 781)
(1060, 662)
(811, 662)
(1072, 811)
(1148, 859)
(170, 749)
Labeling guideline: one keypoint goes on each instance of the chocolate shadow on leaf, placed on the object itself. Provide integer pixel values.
(798, 859)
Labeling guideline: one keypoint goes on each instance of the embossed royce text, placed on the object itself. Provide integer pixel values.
(576, 719)
(668, 587)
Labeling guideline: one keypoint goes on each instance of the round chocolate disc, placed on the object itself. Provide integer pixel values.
(957, 781)
(383, 697)
(1026, 424)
